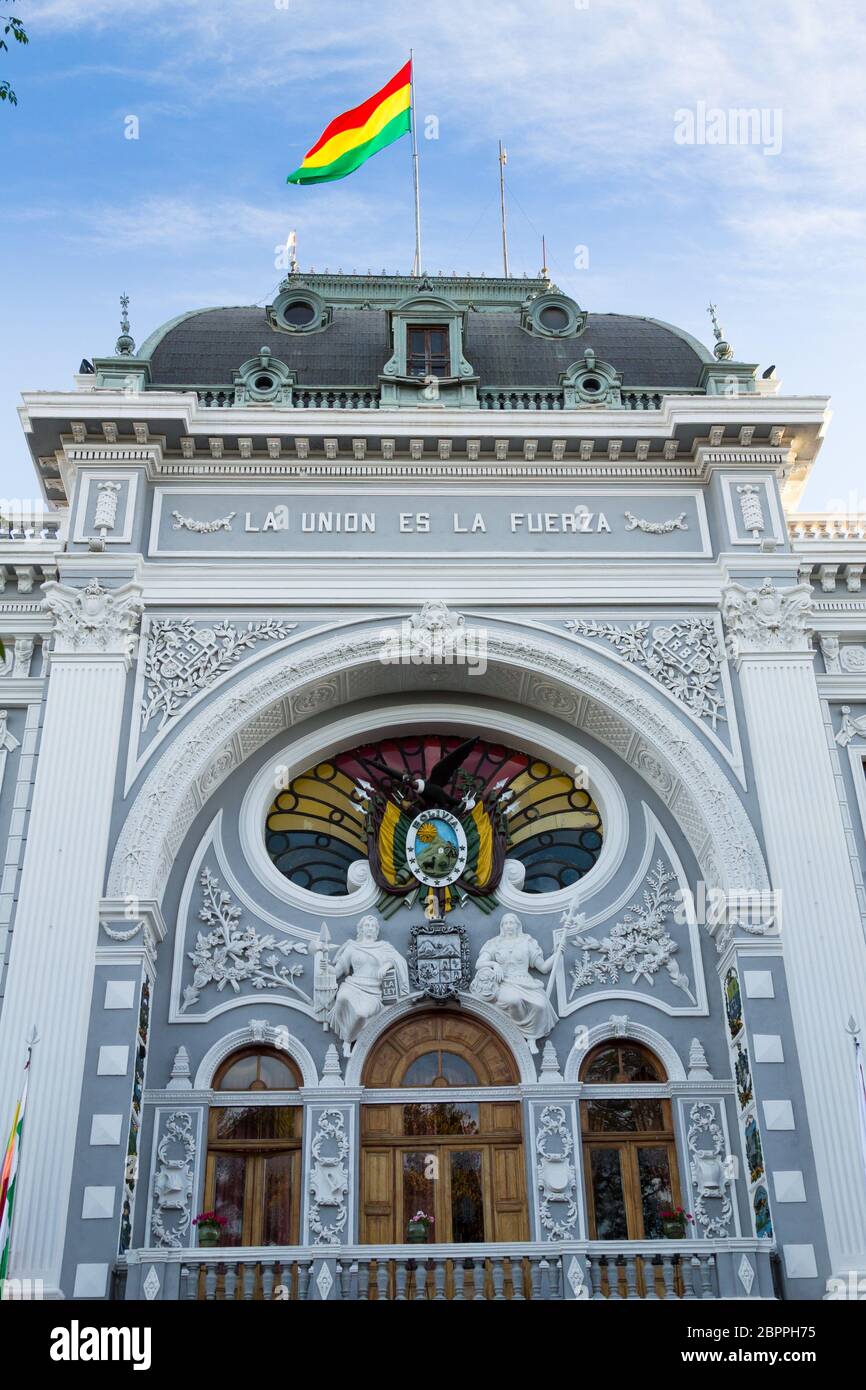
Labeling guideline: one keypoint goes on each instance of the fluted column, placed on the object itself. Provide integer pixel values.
(822, 934)
(51, 965)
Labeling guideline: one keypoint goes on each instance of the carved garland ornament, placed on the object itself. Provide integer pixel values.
(709, 1170)
(656, 528)
(685, 657)
(639, 945)
(182, 659)
(229, 954)
(202, 528)
(720, 832)
(556, 1173)
(172, 1186)
(329, 1178)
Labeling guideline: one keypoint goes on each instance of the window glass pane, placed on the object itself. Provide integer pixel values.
(457, 1071)
(554, 317)
(656, 1192)
(240, 1075)
(229, 1196)
(276, 1074)
(440, 1069)
(418, 1192)
(423, 1071)
(440, 1119)
(607, 1192)
(467, 1203)
(255, 1122)
(624, 1116)
(277, 1214)
(299, 313)
(604, 1065)
(638, 1066)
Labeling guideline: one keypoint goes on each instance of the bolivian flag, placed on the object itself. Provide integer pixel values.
(8, 1175)
(352, 138)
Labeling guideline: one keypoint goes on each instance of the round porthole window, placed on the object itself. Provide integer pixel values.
(554, 318)
(591, 385)
(264, 383)
(298, 313)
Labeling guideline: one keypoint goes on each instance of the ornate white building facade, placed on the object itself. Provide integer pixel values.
(425, 686)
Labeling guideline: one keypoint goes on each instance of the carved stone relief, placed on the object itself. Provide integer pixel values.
(171, 1211)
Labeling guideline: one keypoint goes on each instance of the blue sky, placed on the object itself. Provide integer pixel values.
(229, 94)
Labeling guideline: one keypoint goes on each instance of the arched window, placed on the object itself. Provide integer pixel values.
(254, 1151)
(628, 1142)
(457, 1160)
(257, 1069)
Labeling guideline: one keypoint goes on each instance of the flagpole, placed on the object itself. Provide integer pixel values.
(503, 159)
(416, 264)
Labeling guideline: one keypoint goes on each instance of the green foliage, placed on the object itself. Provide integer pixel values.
(15, 27)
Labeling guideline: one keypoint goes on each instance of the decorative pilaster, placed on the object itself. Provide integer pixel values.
(52, 959)
(824, 949)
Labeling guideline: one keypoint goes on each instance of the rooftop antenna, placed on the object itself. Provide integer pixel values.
(722, 350)
(503, 160)
(545, 273)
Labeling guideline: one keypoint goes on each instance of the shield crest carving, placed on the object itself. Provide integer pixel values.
(439, 959)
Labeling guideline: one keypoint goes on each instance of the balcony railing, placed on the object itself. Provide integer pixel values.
(601, 1270)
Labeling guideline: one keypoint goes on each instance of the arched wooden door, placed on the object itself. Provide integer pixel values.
(457, 1160)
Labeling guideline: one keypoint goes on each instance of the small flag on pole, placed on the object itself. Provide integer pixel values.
(352, 138)
(854, 1031)
(9, 1172)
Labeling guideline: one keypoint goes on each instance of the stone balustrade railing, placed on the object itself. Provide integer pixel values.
(652, 1271)
(827, 526)
(489, 398)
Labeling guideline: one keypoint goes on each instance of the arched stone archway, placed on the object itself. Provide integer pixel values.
(495, 1020)
(580, 689)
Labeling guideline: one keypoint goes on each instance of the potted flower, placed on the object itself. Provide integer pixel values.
(419, 1228)
(210, 1227)
(675, 1223)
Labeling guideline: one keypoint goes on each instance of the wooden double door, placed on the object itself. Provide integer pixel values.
(461, 1163)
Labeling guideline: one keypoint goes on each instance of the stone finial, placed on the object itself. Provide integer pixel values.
(698, 1069)
(550, 1073)
(180, 1072)
(331, 1075)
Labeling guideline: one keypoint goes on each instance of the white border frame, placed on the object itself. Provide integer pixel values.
(779, 533)
(421, 489)
(457, 716)
(124, 536)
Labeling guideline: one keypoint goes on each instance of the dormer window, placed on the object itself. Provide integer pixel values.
(428, 351)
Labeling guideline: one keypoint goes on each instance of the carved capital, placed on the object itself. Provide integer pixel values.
(767, 619)
(94, 620)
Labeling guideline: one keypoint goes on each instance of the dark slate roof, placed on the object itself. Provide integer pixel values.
(206, 348)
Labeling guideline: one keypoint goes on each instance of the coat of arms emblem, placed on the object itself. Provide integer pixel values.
(439, 959)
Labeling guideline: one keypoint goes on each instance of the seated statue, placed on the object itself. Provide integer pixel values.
(502, 978)
(362, 967)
